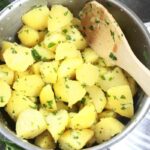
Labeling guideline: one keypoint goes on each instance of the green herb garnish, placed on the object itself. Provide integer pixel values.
(35, 55)
(50, 45)
(112, 56)
(113, 35)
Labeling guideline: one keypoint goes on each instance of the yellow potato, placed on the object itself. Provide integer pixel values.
(47, 98)
(45, 141)
(87, 74)
(18, 58)
(120, 100)
(5, 93)
(21, 74)
(81, 120)
(5, 45)
(90, 56)
(35, 68)
(107, 113)
(75, 139)
(97, 97)
(28, 36)
(111, 78)
(6, 74)
(66, 50)
(37, 18)
(17, 104)
(48, 71)
(42, 35)
(45, 112)
(29, 85)
(68, 67)
(107, 128)
(43, 53)
(52, 40)
(59, 17)
(69, 91)
(74, 36)
(30, 123)
(57, 122)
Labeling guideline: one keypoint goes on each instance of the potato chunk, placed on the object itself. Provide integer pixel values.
(30, 123)
(87, 74)
(81, 120)
(29, 85)
(47, 98)
(69, 91)
(5, 93)
(17, 104)
(74, 36)
(37, 18)
(110, 78)
(59, 17)
(45, 141)
(68, 67)
(28, 36)
(107, 128)
(48, 71)
(6, 74)
(96, 96)
(57, 122)
(66, 50)
(18, 58)
(75, 139)
(120, 100)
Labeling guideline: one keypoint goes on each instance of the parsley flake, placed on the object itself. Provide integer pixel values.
(112, 56)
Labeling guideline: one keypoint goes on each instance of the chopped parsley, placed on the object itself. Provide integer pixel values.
(113, 35)
(66, 13)
(103, 77)
(35, 55)
(68, 37)
(50, 45)
(107, 23)
(67, 86)
(83, 100)
(65, 31)
(1, 99)
(14, 50)
(49, 104)
(122, 97)
(97, 20)
(91, 27)
(112, 56)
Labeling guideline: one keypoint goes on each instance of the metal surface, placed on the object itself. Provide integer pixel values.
(10, 22)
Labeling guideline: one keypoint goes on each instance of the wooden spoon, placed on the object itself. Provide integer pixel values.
(107, 39)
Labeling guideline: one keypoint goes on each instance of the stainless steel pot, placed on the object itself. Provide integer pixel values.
(10, 22)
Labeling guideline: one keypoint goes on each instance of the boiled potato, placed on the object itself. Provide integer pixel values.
(5, 45)
(48, 71)
(81, 120)
(17, 104)
(37, 18)
(69, 91)
(97, 97)
(52, 40)
(5, 93)
(90, 56)
(77, 23)
(75, 139)
(74, 36)
(107, 113)
(35, 68)
(87, 74)
(45, 141)
(21, 74)
(29, 85)
(68, 67)
(30, 123)
(107, 128)
(47, 98)
(120, 100)
(42, 35)
(66, 50)
(111, 78)
(59, 17)
(28, 36)
(45, 112)
(57, 122)
(18, 58)
(6, 74)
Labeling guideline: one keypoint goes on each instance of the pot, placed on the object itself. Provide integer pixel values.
(132, 26)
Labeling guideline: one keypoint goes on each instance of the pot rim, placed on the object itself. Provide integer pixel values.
(131, 125)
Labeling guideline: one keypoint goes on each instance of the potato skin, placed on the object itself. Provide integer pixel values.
(30, 123)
